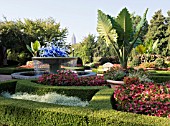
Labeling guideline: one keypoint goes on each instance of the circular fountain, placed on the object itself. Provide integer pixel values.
(55, 63)
(53, 58)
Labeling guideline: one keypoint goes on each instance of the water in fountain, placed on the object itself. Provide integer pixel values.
(55, 56)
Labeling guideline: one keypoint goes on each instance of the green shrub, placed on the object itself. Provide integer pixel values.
(14, 112)
(160, 63)
(8, 86)
(159, 79)
(29, 113)
(114, 74)
(83, 92)
(113, 60)
(159, 76)
(10, 70)
(136, 61)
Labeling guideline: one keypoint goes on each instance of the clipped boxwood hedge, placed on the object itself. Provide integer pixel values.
(160, 79)
(8, 86)
(83, 92)
(10, 70)
(99, 112)
(159, 76)
(29, 113)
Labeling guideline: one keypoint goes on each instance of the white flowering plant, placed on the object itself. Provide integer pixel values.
(51, 97)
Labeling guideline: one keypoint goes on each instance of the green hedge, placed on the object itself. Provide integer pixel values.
(10, 70)
(8, 86)
(160, 79)
(29, 113)
(83, 92)
(159, 76)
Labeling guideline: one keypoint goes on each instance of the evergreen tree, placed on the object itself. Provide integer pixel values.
(157, 33)
(168, 34)
(85, 50)
(102, 50)
(136, 19)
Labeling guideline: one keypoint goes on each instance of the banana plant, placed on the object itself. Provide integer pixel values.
(34, 47)
(119, 32)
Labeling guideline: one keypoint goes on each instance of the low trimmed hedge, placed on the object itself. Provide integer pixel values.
(8, 86)
(160, 79)
(29, 113)
(10, 70)
(98, 113)
(159, 76)
(83, 92)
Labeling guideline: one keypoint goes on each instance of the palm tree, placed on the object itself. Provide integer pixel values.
(120, 33)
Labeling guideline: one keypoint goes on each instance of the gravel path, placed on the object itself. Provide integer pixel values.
(5, 77)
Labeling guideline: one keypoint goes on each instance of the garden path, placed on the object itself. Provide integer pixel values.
(5, 77)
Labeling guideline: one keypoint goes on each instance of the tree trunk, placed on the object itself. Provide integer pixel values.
(4, 56)
(1, 56)
(124, 64)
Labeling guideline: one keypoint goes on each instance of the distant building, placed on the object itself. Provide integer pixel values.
(73, 39)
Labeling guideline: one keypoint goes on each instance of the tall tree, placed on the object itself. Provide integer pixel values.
(15, 35)
(102, 50)
(168, 34)
(86, 49)
(157, 33)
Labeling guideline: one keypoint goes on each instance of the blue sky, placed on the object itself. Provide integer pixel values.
(79, 16)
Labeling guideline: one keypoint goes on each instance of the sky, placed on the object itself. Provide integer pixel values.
(78, 16)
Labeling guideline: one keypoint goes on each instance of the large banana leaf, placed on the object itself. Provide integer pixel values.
(142, 22)
(28, 47)
(119, 31)
(125, 22)
(105, 28)
(138, 30)
(35, 46)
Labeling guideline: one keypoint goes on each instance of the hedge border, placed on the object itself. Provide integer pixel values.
(21, 112)
(9, 86)
(10, 70)
(83, 92)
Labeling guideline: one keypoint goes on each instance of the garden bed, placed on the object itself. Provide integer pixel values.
(99, 112)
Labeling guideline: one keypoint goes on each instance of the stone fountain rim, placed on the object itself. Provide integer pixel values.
(51, 58)
(18, 75)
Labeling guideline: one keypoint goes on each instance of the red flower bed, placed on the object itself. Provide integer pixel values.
(143, 98)
(69, 78)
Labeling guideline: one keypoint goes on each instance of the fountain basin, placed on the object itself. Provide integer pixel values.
(55, 63)
(27, 75)
(34, 75)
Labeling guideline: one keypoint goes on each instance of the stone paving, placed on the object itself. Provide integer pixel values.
(5, 77)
